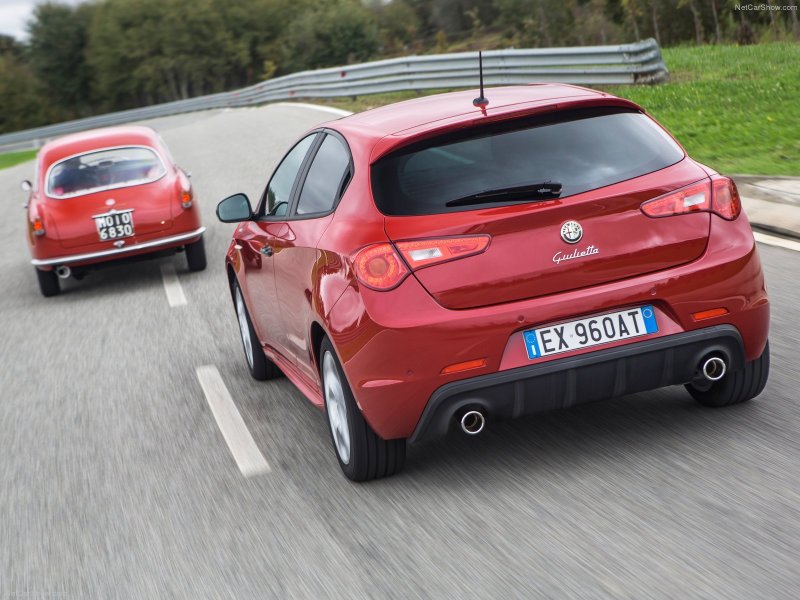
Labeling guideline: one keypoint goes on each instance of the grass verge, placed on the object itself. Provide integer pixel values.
(9, 159)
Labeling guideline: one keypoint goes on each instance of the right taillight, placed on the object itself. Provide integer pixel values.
(725, 199)
(692, 198)
(718, 196)
(186, 198)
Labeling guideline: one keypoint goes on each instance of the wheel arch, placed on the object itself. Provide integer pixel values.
(231, 273)
(316, 334)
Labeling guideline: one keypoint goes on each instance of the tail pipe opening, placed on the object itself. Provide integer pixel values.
(714, 368)
(473, 422)
(63, 271)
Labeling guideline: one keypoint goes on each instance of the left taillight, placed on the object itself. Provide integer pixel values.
(421, 253)
(37, 226)
(384, 266)
(379, 267)
(719, 195)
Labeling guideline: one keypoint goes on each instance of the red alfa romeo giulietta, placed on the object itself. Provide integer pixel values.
(442, 263)
(107, 195)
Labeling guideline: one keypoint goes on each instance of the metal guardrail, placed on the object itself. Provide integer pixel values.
(589, 65)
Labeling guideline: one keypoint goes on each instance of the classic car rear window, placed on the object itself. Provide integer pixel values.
(103, 170)
(581, 150)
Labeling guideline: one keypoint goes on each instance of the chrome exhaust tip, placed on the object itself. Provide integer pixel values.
(473, 422)
(714, 368)
(63, 271)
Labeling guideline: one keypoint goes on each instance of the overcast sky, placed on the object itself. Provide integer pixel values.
(15, 13)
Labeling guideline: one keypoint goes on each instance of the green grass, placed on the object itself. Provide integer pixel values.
(734, 108)
(9, 159)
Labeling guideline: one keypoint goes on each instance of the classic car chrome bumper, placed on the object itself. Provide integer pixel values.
(112, 252)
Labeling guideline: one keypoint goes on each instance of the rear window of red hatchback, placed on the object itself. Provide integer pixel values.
(555, 155)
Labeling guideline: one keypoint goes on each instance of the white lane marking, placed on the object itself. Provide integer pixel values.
(772, 240)
(242, 445)
(172, 285)
(330, 109)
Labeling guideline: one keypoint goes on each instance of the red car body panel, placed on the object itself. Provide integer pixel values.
(70, 231)
(510, 269)
(393, 345)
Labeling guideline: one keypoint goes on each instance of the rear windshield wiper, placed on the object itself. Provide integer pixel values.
(530, 191)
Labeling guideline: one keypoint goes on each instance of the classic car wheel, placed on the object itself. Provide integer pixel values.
(736, 386)
(362, 454)
(48, 282)
(196, 255)
(260, 366)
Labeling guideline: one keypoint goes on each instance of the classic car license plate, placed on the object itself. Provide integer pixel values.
(114, 225)
(592, 331)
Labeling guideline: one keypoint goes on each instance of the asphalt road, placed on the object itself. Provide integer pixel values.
(116, 482)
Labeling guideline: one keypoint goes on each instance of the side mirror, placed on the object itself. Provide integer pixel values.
(26, 185)
(234, 209)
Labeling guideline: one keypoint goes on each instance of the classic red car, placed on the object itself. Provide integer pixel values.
(107, 195)
(433, 264)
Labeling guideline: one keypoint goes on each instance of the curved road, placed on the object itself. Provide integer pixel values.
(116, 481)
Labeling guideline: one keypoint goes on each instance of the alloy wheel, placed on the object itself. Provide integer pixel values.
(244, 327)
(336, 407)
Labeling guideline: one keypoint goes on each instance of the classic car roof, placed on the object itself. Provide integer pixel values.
(388, 126)
(86, 141)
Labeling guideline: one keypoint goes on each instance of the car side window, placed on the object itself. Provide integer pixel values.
(326, 179)
(279, 190)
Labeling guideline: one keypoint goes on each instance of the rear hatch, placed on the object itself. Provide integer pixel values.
(82, 189)
(593, 168)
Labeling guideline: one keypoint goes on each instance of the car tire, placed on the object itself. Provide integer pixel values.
(48, 282)
(736, 386)
(362, 454)
(196, 255)
(261, 368)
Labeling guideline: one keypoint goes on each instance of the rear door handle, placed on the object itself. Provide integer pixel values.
(266, 250)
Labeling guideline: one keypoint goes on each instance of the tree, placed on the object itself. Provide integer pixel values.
(398, 23)
(146, 51)
(256, 28)
(633, 10)
(699, 33)
(335, 33)
(58, 38)
(19, 97)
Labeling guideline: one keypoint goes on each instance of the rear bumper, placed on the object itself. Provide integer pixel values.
(112, 253)
(395, 345)
(636, 367)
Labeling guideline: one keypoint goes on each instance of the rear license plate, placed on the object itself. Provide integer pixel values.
(114, 225)
(592, 331)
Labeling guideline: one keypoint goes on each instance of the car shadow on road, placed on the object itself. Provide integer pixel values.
(624, 430)
(116, 279)
(613, 435)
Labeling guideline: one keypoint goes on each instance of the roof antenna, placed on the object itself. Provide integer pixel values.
(481, 101)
